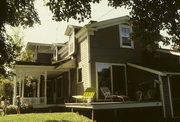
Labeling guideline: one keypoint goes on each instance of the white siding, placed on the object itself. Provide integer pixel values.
(84, 63)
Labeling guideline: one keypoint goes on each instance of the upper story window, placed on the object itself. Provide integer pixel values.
(124, 36)
(71, 44)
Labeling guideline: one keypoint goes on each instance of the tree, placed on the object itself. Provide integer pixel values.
(14, 13)
(148, 17)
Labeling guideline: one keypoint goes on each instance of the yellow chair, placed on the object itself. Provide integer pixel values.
(88, 94)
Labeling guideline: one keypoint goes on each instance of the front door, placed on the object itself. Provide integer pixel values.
(54, 91)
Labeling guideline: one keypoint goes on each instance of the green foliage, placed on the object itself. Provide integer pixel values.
(14, 13)
(27, 56)
(148, 17)
(6, 88)
(11, 109)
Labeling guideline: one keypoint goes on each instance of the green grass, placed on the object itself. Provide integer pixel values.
(45, 117)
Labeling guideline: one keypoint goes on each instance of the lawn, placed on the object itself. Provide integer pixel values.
(45, 117)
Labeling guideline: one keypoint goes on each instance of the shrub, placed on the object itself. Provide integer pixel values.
(11, 109)
(6, 88)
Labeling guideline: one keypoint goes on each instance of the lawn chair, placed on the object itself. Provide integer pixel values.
(107, 94)
(87, 95)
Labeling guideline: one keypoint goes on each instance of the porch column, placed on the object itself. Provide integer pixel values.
(22, 88)
(19, 87)
(38, 89)
(45, 87)
(15, 90)
(69, 78)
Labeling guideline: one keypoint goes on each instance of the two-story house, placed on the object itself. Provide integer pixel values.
(97, 54)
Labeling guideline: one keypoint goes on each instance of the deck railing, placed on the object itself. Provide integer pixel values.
(33, 100)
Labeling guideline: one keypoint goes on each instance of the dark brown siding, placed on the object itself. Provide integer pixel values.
(44, 57)
(73, 81)
(105, 47)
(65, 85)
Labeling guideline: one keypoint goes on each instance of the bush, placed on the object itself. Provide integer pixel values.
(11, 109)
(26, 108)
(6, 88)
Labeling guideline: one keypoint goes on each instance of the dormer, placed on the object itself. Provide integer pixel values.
(71, 31)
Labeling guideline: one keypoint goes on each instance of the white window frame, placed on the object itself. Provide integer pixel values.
(111, 64)
(78, 82)
(120, 33)
(71, 41)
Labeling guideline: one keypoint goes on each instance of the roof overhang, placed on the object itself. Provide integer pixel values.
(67, 64)
(90, 28)
(171, 52)
(70, 28)
(154, 71)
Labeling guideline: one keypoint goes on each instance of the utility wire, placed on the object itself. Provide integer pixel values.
(105, 14)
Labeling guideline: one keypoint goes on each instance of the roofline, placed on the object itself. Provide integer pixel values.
(172, 52)
(40, 44)
(102, 24)
(109, 21)
(147, 69)
(69, 29)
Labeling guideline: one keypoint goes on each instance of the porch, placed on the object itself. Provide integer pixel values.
(38, 84)
(94, 106)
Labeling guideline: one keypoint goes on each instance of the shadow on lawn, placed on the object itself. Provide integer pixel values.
(57, 121)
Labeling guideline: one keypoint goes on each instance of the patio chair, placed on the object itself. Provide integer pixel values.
(87, 95)
(107, 94)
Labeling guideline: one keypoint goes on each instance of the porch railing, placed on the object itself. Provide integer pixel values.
(33, 100)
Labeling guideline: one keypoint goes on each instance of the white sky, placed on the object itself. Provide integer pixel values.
(53, 32)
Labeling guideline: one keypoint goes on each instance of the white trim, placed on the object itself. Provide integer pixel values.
(45, 87)
(22, 88)
(111, 105)
(16, 66)
(162, 94)
(147, 69)
(89, 59)
(77, 69)
(14, 90)
(170, 98)
(120, 36)
(71, 42)
(109, 22)
(97, 84)
(38, 88)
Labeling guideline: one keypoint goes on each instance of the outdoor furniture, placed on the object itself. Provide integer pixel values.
(87, 95)
(107, 94)
(139, 96)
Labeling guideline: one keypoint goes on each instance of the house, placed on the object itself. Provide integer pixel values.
(97, 54)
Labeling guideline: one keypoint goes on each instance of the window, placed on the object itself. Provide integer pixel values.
(124, 36)
(79, 75)
(111, 76)
(71, 44)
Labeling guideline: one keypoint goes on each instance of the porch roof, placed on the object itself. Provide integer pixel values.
(154, 69)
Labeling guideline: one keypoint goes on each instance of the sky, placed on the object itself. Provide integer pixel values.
(53, 32)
